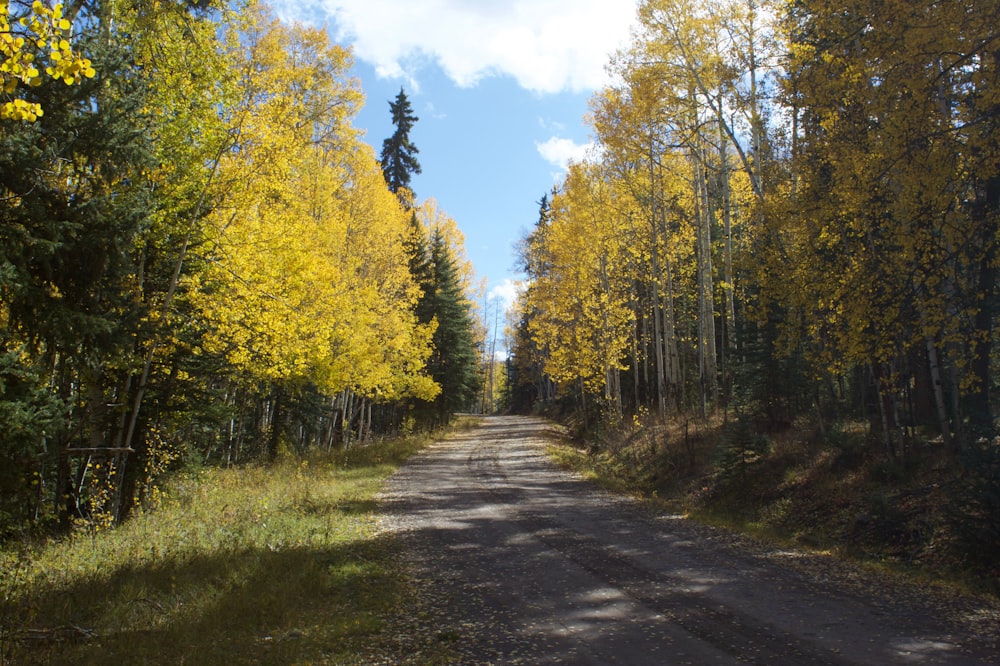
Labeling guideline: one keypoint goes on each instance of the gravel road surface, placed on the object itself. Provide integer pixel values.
(517, 561)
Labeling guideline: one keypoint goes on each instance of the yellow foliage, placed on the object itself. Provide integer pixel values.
(307, 278)
(583, 299)
(30, 39)
(882, 236)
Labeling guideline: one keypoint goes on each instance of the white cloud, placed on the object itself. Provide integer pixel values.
(546, 45)
(550, 125)
(432, 111)
(560, 152)
(506, 292)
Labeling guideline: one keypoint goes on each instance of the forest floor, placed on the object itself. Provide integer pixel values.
(514, 560)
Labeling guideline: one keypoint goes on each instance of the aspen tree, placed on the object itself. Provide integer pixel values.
(583, 317)
(35, 42)
(902, 227)
(635, 127)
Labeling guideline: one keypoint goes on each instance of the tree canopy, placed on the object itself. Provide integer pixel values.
(795, 207)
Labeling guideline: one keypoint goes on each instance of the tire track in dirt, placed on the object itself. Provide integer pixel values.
(520, 562)
(735, 633)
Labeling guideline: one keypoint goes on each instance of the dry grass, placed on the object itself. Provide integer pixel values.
(264, 565)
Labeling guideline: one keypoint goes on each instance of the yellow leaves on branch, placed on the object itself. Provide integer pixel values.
(26, 43)
(306, 278)
(582, 300)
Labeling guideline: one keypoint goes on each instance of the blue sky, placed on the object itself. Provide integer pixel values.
(501, 89)
(479, 151)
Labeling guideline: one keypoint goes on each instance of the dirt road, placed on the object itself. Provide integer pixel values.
(517, 561)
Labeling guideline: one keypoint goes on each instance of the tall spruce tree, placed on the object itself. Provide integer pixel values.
(399, 155)
(453, 363)
(73, 201)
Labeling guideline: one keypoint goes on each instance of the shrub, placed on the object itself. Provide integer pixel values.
(741, 446)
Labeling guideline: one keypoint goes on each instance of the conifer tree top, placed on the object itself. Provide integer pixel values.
(399, 161)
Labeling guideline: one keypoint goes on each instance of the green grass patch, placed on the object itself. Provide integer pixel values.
(267, 565)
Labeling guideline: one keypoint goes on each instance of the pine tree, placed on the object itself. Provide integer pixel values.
(73, 204)
(399, 155)
(453, 362)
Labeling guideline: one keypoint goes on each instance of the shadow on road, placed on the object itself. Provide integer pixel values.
(518, 560)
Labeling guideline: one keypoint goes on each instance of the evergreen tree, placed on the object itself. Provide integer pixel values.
(453, 362)
(73, 205)
(528, 383)
(399, 155)
(417, 252)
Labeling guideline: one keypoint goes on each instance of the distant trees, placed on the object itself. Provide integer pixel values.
(582, 296)
(528, 383)
(433, 245)
(445, 306)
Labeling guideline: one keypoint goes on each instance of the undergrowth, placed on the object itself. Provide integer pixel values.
(277, 565)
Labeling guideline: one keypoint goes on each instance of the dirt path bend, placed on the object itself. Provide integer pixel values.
(518, 561)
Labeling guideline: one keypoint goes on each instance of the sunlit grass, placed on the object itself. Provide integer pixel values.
(280, 564)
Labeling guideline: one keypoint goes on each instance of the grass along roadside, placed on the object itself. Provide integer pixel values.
(280, 564)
